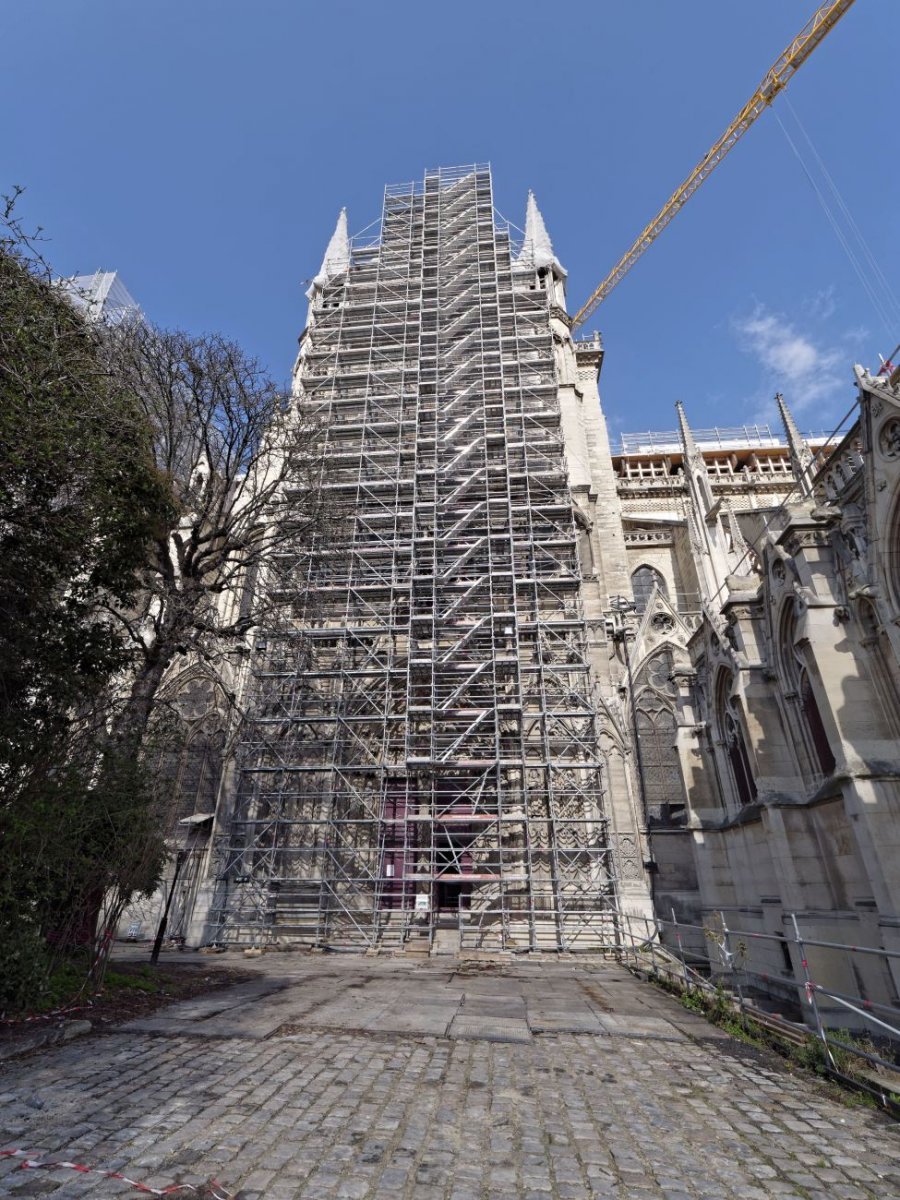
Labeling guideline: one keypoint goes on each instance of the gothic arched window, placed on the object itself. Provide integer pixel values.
(188, 770)
(816, 751)
(656, 727)
(734, 743)
(814, 723)
(643, 581)
(201, 770)
(892, 557)
(881, 667)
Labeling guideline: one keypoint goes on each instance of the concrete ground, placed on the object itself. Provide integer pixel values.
(345, 1076)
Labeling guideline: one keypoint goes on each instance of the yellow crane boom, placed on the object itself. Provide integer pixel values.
(817, 27)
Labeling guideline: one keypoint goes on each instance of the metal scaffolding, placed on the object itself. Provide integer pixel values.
(421, 762)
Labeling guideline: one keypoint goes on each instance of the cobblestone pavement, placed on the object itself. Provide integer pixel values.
(354, 1077)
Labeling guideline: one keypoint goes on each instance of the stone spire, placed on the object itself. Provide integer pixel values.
(802, 459)
(707, 531)
(739, 547)
(537, 249)
(694, 467)
(337, 253)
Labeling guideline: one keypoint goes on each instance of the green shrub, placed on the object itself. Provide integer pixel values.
(26, 960)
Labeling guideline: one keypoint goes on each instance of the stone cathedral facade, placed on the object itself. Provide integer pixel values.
(549, 685)
(766, 683)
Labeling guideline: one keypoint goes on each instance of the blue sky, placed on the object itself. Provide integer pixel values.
(204, 147)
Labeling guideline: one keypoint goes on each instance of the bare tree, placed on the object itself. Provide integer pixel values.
(243, 463)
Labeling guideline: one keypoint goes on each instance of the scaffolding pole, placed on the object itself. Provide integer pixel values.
(422, 750)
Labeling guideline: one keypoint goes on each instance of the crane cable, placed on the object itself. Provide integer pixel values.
(889, 294)
(773, 514)
(869, 273)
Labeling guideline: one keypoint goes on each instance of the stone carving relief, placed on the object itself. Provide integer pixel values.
(730, 633)
(659, 673)
(565, 360)
(889, 439)
(194, 698)
(663, 622)
(801, 601)
(627, 856)
(851, 550)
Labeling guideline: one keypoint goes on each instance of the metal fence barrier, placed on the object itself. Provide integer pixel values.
(803, 1002)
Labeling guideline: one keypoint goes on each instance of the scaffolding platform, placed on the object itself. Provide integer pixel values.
(422, 743)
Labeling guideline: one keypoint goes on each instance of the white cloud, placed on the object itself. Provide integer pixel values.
(822, 305)
(793, 362)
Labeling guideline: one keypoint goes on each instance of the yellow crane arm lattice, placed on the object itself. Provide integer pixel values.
(814, 31)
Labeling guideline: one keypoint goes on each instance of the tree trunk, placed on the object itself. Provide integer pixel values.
(131, 724)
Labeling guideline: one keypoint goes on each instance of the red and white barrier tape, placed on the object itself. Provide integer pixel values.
(213, 1189)
(11, 1022)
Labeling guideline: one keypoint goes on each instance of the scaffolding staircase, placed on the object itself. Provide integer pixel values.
(421, 769)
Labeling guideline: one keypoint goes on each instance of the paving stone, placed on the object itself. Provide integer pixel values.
(565, 1022)
(491, 1029)
(370, 1098)
(639, 1027)
(431, 1021)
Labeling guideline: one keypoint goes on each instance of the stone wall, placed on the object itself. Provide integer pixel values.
(788, 696)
